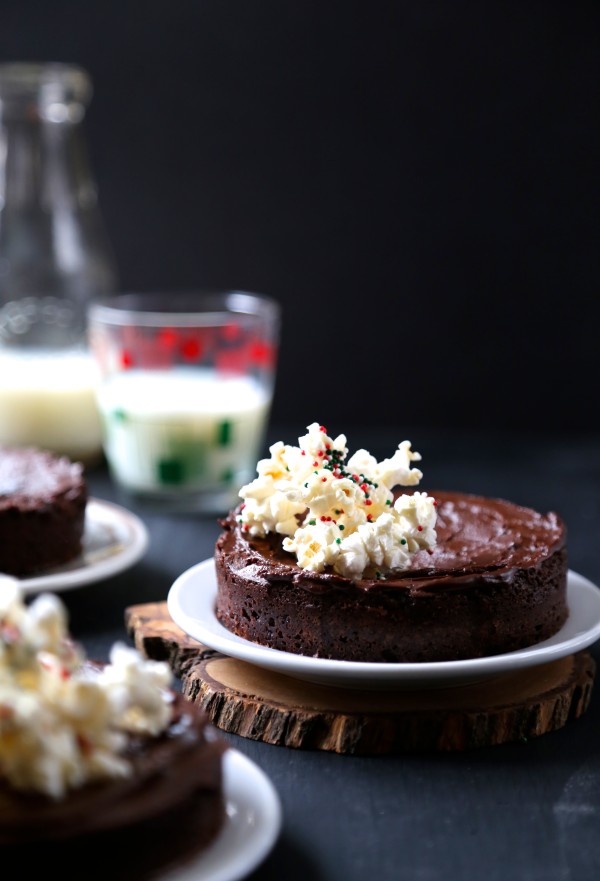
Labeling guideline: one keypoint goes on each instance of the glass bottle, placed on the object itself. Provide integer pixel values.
(55, 257)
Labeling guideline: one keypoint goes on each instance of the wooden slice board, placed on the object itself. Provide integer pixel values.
(262, 705)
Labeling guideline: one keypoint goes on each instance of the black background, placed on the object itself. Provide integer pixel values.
(416, 183)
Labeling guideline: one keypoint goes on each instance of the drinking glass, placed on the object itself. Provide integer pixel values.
(185, 391)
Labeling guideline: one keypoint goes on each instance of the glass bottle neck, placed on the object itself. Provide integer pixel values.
(43, 163)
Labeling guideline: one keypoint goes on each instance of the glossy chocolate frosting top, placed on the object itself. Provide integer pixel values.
(480, 537)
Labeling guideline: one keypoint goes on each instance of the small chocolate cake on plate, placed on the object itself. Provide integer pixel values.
(43, 499)
(105, 769)
(330, 560)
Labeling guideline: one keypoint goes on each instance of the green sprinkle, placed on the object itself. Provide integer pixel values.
(338, 541)
(312, 522)
(341, 526)
(402, 541)
(388, 502)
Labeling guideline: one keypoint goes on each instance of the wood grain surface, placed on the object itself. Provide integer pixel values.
(259, 704)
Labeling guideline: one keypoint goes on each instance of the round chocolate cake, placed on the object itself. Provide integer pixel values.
(160, 817)
(494, 582)
(43, 499)
(106, 769)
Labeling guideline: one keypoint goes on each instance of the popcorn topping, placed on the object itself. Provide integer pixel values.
(339, 514)
(63, 724)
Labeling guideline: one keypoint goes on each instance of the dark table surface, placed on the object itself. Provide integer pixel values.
(527, 811)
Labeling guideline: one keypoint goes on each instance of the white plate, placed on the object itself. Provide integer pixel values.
(191, 605)
(113, 539)
(252, 825)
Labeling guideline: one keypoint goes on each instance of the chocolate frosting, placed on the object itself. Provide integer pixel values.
(476, 536)
(29, 478)
(167, 770)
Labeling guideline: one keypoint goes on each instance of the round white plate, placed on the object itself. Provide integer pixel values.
(191, 605)
(252, 825)
(113, 540)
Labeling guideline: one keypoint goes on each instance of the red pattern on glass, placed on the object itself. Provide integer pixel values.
(190, 349)
(262, 353)
(167, 337)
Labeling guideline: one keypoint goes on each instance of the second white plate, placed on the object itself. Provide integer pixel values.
(191, 605)
(252, 825)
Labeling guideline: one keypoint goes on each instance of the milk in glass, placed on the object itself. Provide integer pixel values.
(185, 429)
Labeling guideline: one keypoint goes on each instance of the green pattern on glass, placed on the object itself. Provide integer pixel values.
(227, 475)
(171, 471)
(183, 461)
(224, 432)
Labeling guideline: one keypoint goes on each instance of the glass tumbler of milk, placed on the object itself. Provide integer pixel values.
(185, 391)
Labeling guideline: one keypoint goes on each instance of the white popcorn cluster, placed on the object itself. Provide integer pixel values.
(339, 514)
(63, 724)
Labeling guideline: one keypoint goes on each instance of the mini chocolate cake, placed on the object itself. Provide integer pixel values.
(136, 827)
(106, 770)
(43, 499)
(494, 582)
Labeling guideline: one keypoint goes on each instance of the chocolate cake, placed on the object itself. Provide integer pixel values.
(138, 827)
(329, 558)
(106, 770)
(494, 582)
(43, 499)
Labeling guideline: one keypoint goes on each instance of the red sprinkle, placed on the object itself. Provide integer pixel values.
(369, 502)
(322, 428)
(420, 528)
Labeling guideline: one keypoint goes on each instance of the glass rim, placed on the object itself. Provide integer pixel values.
(182, 308)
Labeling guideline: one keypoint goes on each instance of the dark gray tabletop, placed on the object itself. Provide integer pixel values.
(526, 811)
